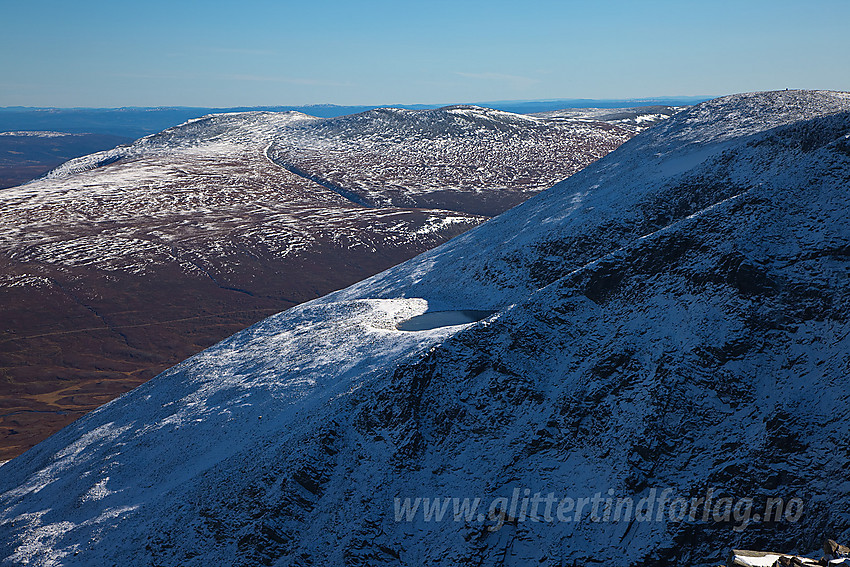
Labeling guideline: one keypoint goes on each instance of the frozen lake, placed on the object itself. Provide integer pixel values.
(435, 319)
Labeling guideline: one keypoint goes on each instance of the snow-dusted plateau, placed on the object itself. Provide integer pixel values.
(672, 318)
(120, 264)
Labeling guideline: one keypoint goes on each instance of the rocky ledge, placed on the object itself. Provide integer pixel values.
(833, 554)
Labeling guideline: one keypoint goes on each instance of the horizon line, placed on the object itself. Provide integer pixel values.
(693, 98)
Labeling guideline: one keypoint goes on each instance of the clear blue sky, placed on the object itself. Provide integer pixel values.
(217, 53)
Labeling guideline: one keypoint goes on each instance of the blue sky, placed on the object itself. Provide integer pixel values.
(216, 53)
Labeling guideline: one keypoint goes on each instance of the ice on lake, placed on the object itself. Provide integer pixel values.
(436, 319)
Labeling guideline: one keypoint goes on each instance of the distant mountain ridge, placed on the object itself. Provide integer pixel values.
(106, 128)
(136, 122)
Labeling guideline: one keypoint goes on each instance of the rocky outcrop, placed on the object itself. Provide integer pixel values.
(833, 555)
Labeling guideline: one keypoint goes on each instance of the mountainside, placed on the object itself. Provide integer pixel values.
(121, 263)
(395, 157)
(673, 316)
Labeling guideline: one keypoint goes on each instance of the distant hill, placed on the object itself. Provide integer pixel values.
(33, 152)
(135, 122)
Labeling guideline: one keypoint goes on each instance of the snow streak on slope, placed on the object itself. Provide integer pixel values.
(675, 315)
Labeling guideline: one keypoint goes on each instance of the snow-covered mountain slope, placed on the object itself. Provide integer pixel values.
(673, 316)
(121, 263)
(215, 171)
(463, 158)
(206, 180)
